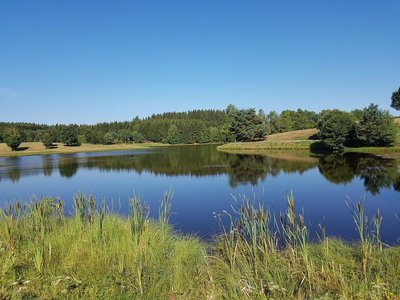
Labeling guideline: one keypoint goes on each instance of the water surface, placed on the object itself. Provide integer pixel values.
(204, 181)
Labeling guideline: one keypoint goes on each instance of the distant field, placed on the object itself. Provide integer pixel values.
(34, 148)
(292, 140)
(296, 135)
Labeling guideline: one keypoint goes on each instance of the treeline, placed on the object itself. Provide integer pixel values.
(197, 126)
(368, 127)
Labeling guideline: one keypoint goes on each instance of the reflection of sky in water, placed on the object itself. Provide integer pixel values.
(197, 197)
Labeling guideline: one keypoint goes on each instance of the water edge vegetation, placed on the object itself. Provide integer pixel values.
(96, 253)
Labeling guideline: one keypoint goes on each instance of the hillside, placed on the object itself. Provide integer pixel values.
(305, 134)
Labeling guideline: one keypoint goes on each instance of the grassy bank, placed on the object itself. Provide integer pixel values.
(387, 152)
(301, 140)
(37, 148)
(293, 140)
(97, 254)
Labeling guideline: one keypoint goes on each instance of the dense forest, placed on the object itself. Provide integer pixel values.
(197, 126)
(362, 127)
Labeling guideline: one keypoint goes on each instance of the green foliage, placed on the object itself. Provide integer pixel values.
(375, 128)
(108, 139)
(12, 138)
(245, 125)
(137, 137)
(272, 119)
(368, 127)
(197, 126)
(47, 139)
(69, 135)
(125, 136)
(290, 120)
(335, 130)
(172, 135)
(396, 100)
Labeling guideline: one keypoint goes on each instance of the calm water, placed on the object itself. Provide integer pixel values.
(204, 181)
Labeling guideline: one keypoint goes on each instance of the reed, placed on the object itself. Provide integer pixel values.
(138, 217)
(98, 254)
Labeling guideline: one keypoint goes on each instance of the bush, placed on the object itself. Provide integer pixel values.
(12, 138)
(69, 135)
(245, 125)
(335, 130)
(47, 140)
(375, 128)
(396, 100)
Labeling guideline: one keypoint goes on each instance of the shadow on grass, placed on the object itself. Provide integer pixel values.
(21, 149)
(318, 148)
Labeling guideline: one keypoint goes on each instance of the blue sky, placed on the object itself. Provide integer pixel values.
(93, 61)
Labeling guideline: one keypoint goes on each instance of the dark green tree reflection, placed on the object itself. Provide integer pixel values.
(377, 173)
(68, 166)
(11, 169)
(47, 164)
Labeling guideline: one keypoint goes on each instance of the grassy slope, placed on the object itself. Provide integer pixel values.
(43, 254)
(35, 148)
(293, 140)
(297, 135)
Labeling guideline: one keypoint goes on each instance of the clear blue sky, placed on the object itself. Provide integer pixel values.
(92, 61)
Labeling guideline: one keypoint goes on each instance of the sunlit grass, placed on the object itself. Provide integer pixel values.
(35, 148)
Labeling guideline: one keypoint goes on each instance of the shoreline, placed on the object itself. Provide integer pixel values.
(37, 148)
(302, 145)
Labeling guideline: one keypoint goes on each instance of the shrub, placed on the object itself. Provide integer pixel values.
(12, 138)
(69, 135)
(47, 140)
(335, 130)
(375, 128)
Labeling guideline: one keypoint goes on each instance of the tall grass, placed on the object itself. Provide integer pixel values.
(97, 254)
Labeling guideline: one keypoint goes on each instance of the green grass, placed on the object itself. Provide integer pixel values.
(97, 254)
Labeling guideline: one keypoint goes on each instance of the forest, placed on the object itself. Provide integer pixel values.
(197, 126)
(370, 126)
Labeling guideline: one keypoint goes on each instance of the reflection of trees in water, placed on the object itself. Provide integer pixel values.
(337, 169)
(188, 160)
(68, 166)
(251, 168)
(12, 169)
(376, 172)
(247, 169)
(200, 161)
(47, 163)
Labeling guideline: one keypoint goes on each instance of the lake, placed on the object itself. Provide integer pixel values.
(205, 181)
